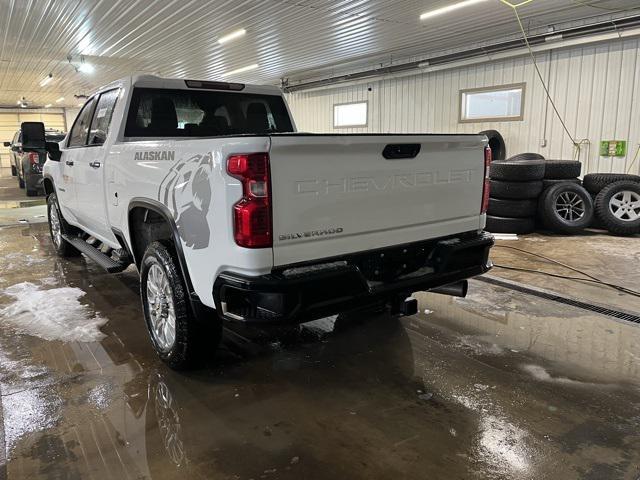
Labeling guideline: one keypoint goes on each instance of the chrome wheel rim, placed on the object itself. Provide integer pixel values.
(625, 206)
(570, 207)
(161, 310)
(54, 223)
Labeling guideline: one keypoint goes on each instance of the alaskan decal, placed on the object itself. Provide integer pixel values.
(155, 155)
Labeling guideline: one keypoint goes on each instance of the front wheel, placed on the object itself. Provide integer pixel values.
(177, 335)
(57, 227)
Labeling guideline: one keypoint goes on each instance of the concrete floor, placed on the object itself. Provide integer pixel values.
(16, 207)
(500, 385)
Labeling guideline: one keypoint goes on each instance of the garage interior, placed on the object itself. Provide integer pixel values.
(535, 374)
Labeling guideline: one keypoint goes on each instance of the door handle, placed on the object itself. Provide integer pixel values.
(69, 162)
(94, 164)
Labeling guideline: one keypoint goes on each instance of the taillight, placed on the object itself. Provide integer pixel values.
(487, 185)
(34, 158)
(252, 214)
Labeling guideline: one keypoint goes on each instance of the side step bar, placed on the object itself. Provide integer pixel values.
(108, 263)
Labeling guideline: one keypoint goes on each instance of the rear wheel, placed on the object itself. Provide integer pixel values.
(178, 337)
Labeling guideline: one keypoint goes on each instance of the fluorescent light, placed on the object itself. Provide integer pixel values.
(240, 70)
(450, 8)
(86, 68)
(46, 80)
(80, 104)
(48, 105)
(232, 36)
(60, 100)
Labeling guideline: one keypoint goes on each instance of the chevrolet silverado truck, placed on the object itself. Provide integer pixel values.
(231, 215)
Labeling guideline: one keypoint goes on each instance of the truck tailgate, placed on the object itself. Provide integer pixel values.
(338, 194)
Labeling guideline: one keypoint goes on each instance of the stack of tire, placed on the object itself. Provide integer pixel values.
(516, 184)
(564, 206)
(617, 201)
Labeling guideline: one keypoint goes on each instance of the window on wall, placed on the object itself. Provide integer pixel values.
(350, 115)
(503, 103)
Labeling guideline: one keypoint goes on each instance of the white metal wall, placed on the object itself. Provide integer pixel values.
(596, 89)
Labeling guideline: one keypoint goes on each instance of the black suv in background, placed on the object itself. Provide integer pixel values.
(27, 166)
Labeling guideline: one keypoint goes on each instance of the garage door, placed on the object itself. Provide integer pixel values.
(10, 123)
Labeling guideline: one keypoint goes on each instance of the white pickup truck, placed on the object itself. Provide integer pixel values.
(229, 214)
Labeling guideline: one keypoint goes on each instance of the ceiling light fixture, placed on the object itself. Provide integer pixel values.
(60, 100)
(46, 80)
(450, 8)
(86, 68)
(240, 70)
(48, 105)
(232, 36)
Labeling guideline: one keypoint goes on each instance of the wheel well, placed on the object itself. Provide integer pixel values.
(48, 186)
(147, 226)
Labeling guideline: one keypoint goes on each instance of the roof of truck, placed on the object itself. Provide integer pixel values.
(153, 81)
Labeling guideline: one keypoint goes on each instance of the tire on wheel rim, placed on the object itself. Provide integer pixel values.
(566, 208)
(178, 337)
(525, 156)
(57, 227)
(618, 208)
(548, 182)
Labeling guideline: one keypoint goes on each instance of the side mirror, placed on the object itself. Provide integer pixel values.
(33, 136)
(7, 144)
(53, 149)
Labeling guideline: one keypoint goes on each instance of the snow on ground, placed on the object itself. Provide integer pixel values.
(53, 314)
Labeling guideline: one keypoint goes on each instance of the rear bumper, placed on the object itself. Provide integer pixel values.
(34, 181)
(301, 293)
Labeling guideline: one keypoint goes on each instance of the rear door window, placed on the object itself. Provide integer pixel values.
(102, 117)
(200, 113)
(80, 129)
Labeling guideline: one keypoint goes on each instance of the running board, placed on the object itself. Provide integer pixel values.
(108, 263)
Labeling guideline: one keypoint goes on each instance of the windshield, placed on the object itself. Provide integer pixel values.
(54, 137)
(198, 113)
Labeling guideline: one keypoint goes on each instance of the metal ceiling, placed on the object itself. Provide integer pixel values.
(286, 38)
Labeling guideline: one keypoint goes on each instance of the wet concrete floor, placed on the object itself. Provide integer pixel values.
(500, 385)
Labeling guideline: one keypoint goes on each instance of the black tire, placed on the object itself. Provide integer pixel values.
(512, 208)
(562, 169)
(515, 190)
(595, 182)
(614, 218)
(496, 144)
(547, 182)
(187, 348)
(20, 182)
(14, 172)
(510, 225)
(522, 171)
(566, 208)
(525, 156)
(60, 245)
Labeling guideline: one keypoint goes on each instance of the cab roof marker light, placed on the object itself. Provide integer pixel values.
(449, 8)
(240, 70)
(232, 36)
